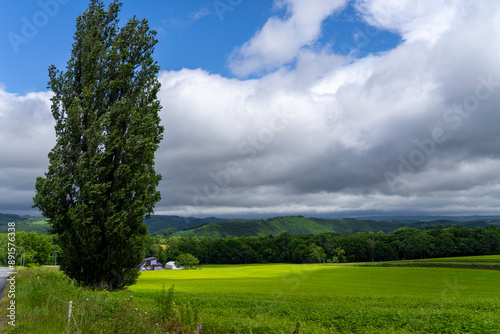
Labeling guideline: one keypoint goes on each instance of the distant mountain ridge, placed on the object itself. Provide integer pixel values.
(214, 227)
(165, 223)
(314, 226)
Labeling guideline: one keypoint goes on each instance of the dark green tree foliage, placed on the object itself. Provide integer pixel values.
(101, 179)
(405, 243)
(186, 261)
(36, 248)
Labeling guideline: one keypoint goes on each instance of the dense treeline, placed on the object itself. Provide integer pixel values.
(405, 243)
(36, 248)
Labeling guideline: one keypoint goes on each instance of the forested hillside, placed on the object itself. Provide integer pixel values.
(313, 226)
(23, 223)
(157, 224)
(169, 224)
(292, 224)
(213, 227)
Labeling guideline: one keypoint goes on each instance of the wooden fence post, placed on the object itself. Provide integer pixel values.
(69, 314)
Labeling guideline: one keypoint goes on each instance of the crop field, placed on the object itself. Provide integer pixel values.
(491, 262)
(479, 258)
(285, 298)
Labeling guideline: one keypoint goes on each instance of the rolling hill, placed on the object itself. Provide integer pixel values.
(170, 224)
(23, 223)
(314, 226)
(214, 227)
(292, 224)
(156, 224)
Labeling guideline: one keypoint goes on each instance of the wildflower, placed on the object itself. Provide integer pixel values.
(198, 329)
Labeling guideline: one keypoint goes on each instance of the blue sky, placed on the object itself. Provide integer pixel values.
(312, 107)
(192, 34)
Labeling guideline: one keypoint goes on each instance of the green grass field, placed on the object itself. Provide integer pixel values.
(490, 262)
(43, 222)
(273, 298)
(325, 299)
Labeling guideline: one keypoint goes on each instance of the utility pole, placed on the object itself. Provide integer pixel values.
(24, 255)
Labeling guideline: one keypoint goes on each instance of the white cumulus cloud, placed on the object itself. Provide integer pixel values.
(280, 39)
(412, 129)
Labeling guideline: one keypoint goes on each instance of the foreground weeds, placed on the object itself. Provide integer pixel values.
(43, 298)
(267, 299)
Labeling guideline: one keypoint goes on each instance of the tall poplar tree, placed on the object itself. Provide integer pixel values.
(101, 180)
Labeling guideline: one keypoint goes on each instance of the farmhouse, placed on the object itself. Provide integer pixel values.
(171, 265)
(150, 263)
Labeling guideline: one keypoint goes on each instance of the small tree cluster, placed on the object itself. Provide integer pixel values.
(186, 261)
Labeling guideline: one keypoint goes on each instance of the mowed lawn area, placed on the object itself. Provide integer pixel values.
(273, 298)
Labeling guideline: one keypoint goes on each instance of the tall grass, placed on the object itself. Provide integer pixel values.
(43, 298)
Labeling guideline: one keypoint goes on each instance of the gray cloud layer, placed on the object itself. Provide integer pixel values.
(414, 128)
